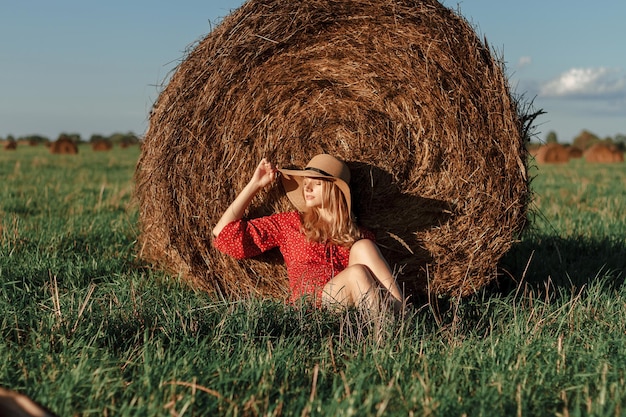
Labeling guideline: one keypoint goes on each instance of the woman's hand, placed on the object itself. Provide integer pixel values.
(264, 174)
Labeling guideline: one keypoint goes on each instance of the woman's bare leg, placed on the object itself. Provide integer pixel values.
(360, 282)
(365, 252)
(354, 286)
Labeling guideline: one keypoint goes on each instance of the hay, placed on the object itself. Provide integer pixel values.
(552, 153)
(102, 145)
(64, 145)
(404, 91)
(574, 152)
(602, 153)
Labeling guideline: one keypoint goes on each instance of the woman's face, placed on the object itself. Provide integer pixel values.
(313, 190)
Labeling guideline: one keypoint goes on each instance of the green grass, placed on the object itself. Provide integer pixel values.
(89, 330)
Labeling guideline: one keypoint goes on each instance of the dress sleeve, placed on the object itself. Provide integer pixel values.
(247, 238)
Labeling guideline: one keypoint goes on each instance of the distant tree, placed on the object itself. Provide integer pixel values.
(124, 139)
(551, 137)
(585, 139)
(74, 137)
(620, 141)
(34, 139)
(96, 138)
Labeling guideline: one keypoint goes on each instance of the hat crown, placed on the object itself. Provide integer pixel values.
(330, 166)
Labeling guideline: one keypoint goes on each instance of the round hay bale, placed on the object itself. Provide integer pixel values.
(64, 145)
(10, 145)
(403, 91)
(602, 153)
(552, 153)
(533, 148)
(574, 152)
(102, 145)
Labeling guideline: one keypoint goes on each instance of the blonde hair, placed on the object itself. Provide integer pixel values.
(341, 230)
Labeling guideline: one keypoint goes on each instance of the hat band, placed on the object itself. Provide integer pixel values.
(319, 171)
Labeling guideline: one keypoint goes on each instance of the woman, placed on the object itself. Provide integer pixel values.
(327, 256)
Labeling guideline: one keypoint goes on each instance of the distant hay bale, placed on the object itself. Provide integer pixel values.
(102, 145)
(533, 148)
(64, 146)
(552, 153)
(603, 153)
(10, 145)
(574, 152)
(404, 91)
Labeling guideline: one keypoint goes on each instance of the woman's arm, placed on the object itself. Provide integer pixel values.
(264, 175)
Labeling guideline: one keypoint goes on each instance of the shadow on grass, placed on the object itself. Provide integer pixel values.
(572, 262)
(546, 269)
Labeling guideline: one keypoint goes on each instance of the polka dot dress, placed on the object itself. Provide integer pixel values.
(310, 265)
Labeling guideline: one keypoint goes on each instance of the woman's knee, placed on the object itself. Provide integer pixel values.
(352, 283)
(358, 280)
(353, 274)
(363, 245)
(362, 250)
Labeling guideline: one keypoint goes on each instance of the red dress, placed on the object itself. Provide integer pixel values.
(310, 265)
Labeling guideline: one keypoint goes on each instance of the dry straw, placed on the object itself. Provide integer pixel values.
(603, 153)
(64, 145)
(404, 91)
(102, 145)
(574, 152)
(552, 153)
(10, 145)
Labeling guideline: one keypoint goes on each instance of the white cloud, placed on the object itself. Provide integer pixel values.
(524, 61)
(587, 83)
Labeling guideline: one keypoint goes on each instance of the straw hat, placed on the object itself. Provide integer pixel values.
(320, 166)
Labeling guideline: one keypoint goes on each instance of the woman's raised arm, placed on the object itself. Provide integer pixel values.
(264, 175)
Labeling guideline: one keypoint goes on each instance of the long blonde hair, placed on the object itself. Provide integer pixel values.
(341, 230)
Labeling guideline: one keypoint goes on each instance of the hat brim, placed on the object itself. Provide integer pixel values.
(292, 183)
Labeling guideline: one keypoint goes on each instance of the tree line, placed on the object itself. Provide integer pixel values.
(585, 139)
(128, 138)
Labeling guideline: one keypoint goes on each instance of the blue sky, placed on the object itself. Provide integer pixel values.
(86, 67)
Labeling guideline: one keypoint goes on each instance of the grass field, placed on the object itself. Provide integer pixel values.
(88, 330)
